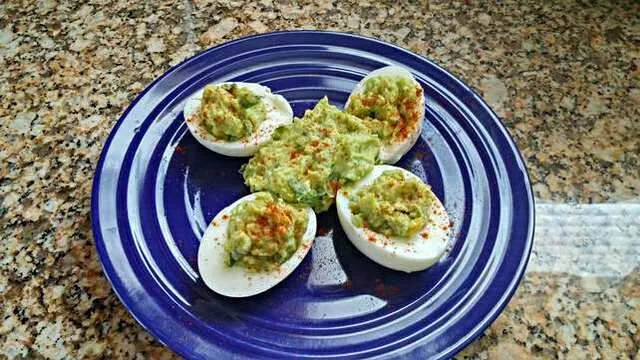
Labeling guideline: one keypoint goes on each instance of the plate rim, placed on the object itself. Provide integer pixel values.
(452, 350)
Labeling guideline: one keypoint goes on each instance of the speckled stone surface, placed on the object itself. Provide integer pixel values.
(564, 77)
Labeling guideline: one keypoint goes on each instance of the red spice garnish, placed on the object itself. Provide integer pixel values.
(425, 235)
(422, 155)
(409, 118)
(262, 221)
(347, 284)
(294, 154)
(225, 217)
(272, 223)
(334, 186)
(181, 149)
(403, 131)
(385, 291)
(372, 238)
(404, 128)
(408, 104)
(322, 231)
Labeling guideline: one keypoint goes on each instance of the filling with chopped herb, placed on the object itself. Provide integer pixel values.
(230, 112)
(389, 107)
(392, 205)
(263, 233)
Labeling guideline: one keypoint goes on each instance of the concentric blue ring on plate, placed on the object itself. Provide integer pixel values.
(156, 188)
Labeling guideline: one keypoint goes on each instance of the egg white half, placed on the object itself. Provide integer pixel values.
(236, 281)
(414, 254)
(391, 153)
(279, 113)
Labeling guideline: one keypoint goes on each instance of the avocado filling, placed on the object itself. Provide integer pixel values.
(263, 233)
(389, 107)
(230, 112)
(307, 161)
(392, 205)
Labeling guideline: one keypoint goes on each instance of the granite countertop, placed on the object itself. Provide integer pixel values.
(564, 77)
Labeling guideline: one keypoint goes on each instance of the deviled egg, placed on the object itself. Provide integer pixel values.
(395, 219)
(391, 102)
(235, 118)
(253, 244)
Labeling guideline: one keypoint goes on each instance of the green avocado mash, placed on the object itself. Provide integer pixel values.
(387, 104)
(263, 233)
(307, 161)
(392, 205)
(230, 112)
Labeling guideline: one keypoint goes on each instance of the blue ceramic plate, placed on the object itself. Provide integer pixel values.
(156, 189)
